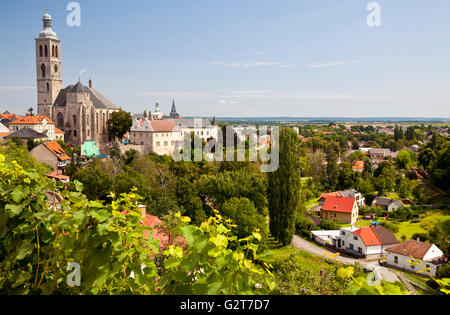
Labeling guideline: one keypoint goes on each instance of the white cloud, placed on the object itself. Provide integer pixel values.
(245, 65)
(330, 64)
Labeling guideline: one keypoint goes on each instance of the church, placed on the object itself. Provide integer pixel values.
(79, 110)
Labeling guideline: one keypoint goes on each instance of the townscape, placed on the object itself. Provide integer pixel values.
(84, 180)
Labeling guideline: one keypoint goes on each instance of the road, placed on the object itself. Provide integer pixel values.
(383, 272)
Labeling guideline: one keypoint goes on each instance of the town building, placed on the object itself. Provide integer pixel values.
(200, 127)
(363, 242)
(342, 209)
(415, 256)
(387, 204)
(358, 166)
(80, 111)
(24, 134)
(41, 124)
(157, 136)
(52, 154)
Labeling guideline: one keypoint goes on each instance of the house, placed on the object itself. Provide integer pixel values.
(25, 134)
(378, 155)
(338, 208)
(344, 193)
(52, 154)
(387, 204)
(367, 242)
(358, 166)
(157, 136)
(3, 128)
(41, 124)
(59, 134)
(427, 256)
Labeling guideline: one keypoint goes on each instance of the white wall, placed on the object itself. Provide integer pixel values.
(405, 265)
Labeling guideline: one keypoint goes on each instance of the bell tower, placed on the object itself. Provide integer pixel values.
(48, 68)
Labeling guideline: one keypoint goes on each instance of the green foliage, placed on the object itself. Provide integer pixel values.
(37, 243)
(119, 124)
(329, 225)
(406, 159)
(284, 187)
(244, 213)
(304, 225)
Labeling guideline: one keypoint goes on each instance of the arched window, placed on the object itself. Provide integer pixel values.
(40, 51)
(53, 51)
(46, 51)
(48, 87)
(56, 68)
(75, 133)
(43, 70)
(60, 120)
(74, 120)
(56, 51)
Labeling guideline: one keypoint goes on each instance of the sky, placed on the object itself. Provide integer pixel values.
(240, 58)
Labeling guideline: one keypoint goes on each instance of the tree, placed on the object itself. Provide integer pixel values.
(284, 188)
(119, 124)
(98, 183)
(246, 217)
(406, 159)
(188, 198)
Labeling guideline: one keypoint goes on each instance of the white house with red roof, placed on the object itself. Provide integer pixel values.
(367, 242)
(339, 208)
(41, 124)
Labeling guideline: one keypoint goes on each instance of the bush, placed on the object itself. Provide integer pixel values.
(444, 272)
(330, 225)
(304, 226)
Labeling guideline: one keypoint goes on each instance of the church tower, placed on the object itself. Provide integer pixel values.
(48, 68)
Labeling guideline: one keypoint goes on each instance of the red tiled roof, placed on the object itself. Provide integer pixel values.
(336, 194)
(368, 236)
(163, 125)
(339, 204)
(153, 221)
(58, 130)
(31, 120)
(55, 175)
(411, 248)
(56, 149)
(358, 165)
(8, 116)
(4, 134)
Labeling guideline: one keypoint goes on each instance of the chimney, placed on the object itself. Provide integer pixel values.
(143, 210)
(90, 83)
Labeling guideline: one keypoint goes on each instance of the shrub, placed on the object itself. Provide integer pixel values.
(330, 225)
(393, 227)
(304, 226)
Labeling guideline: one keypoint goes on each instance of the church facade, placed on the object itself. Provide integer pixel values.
(79, 110)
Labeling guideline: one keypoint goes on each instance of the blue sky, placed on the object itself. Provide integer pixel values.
(239, 58)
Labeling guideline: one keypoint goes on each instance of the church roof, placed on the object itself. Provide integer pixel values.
(97, 99)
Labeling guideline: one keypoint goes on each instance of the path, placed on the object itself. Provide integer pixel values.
(382, 272)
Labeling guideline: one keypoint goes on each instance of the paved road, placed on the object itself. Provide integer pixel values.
(383, 272)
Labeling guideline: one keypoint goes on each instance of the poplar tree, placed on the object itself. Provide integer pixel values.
(284, 188)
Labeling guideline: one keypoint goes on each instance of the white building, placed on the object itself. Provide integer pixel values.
(41, 124)
(426, 255)
(201, 128)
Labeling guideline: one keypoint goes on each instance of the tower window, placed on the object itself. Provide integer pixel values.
(74, 133)
(43, 70)
(60, 120)
(53, 51)
(56, 51)
(48, 87)
(46, 51)
(74, 120)
(56, 68)
(40, 51)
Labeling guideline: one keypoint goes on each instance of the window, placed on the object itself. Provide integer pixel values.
(46, 51)
(43, 70)
(48, 87)
(75, 133)
(60, 120)
(395, 259)
(166, 143)
(56, 51)
(351, 246)
(40, 51)
(56, 68)
(158, 144)
(360, 250)
(53, 51)
(355, 238)
(74, 120)
(343, 233)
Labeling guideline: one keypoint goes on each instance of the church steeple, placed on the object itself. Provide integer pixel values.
(48, 68)
(173, 112)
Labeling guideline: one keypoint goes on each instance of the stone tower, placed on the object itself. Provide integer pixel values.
(48, 68)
